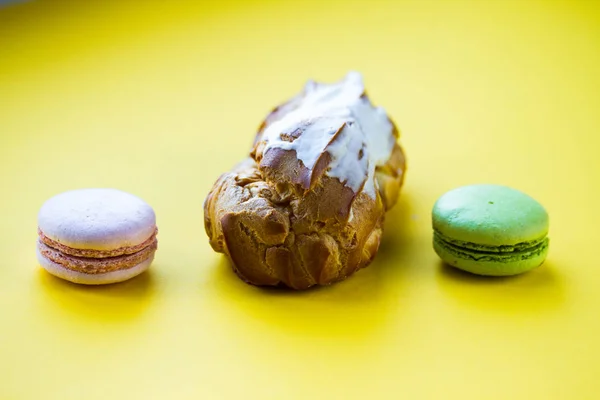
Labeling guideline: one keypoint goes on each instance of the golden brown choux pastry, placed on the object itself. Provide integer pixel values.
(307, 206)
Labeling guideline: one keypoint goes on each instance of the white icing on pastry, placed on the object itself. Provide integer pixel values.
(98, 219)
(348, 164)
(365, 141)
(316, 132)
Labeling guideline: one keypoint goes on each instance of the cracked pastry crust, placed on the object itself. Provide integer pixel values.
(307, 207)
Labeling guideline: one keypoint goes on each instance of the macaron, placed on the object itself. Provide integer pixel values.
(96, 236)
(490, 230)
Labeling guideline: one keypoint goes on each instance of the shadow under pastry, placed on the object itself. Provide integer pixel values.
(357, 307)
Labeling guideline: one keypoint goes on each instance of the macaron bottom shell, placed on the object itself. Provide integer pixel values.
(93, 279)
(491, 264)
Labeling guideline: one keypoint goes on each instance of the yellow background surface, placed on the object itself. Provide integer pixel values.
(159, 98)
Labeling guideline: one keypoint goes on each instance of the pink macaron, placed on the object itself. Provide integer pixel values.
(96, 236)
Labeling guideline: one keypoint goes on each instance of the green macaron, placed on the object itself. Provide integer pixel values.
(490, 230)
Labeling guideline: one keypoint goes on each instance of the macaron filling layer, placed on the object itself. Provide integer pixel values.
(93, 279)
(478, 252)
(91, 253)
(96, 265)
(509, 248)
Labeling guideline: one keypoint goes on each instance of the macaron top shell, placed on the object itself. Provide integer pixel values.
(490, 215)
(97, 219)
